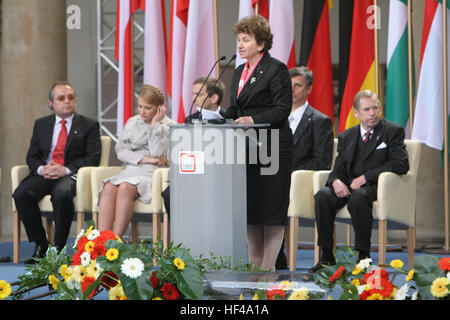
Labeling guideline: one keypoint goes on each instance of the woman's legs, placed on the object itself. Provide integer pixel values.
(255, 243)
(126, 195)
(107, 207)
(264, 243)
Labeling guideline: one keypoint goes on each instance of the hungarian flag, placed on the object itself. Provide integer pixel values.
(316, 54)
(123, 54)
(283, 29)
(175, 58)
(397, 84)
(247, 8)
(155, 50)
(361, 73)
(428, 117)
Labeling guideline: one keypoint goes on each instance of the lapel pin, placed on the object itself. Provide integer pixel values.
(253, 79)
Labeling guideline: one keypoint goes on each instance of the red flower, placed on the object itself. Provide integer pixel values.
(170, 291)
(272, 293)
(99, 250)
(86, 282)
(82, 244)
(109, 280)
(378, 282)
(154, 280)
(76, 259)
(375, 275)
(444, 264)
(337, 274)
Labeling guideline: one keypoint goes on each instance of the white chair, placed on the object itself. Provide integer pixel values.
(82, 200)
(301, 208)
(395, 205)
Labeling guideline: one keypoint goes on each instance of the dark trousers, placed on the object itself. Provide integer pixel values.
(27, 196)
(359, 205)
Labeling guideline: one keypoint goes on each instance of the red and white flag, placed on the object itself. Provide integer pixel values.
(155, 44)
(123, 52)
(281, 20)
(175, 59)
(200, 53)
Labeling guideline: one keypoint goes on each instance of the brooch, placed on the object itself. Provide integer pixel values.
(253, 79)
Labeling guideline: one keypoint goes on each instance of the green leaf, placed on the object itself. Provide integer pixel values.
(137, 289)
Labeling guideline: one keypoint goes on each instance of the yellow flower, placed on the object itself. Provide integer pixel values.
(89, 231)
(439, 287)
(330, 298)
(89, 246)
(356, 270)
(65, 271)
(112, 254)
(92, 270)
(5, 289)
(356, 282)
(410, 275)
(241, 297)
(118, 239)
(375, 296)
(53, 281)
(115, 293)
(299, 294)
(398, 264)
(285, 285)
(157, 298)
(255, 297)
(179, 263)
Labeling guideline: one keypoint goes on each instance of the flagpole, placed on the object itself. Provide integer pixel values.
(132, 61)
(410, 69)
(257, 8)
(444, 48)
(377, 62)
(216, 36)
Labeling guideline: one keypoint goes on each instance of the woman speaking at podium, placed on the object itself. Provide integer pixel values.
(261, 93)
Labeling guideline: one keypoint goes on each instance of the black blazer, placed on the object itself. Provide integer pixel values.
(266, 97)
(196, 115)
(313, 141)
(83, 147)
(386, 152)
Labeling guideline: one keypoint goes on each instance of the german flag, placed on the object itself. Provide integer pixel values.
(361, 72)
(315, 53)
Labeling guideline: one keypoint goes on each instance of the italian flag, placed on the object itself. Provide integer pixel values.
(397, 88)
(428, 117)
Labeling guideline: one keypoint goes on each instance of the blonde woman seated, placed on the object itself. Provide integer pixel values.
(143, 146)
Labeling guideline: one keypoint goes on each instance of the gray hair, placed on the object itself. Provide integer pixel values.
(364, 94)
(307, 75)
(51, 97)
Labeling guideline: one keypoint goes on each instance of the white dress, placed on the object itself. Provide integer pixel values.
(139, 139)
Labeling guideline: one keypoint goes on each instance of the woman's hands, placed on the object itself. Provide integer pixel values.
(160, 113)
(151, 160)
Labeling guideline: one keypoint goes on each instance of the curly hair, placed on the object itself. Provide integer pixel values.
(151, 95)
(258, 27)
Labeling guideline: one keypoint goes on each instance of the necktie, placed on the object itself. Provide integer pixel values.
(367, 136)
(58, 152)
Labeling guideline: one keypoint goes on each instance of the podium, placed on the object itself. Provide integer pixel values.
(208, 195)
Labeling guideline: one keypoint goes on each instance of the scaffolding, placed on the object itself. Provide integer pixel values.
(107, 65)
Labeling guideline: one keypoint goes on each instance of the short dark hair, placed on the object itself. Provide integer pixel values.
(307, 74)
(213, 87)
(51, 97)
(257, 26)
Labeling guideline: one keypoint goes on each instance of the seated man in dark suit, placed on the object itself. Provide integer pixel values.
(364, 151)
(312, 130)
(61, 144)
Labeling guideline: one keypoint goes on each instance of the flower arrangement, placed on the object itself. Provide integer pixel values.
(428, 280)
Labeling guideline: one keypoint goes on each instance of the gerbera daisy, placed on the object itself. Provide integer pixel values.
(86, 282)
(439, 287)
(65, 272)
(85, 259)
(93, 234)
(5, 289)
(444, 264)
(79, 236)
(398, 264)
(299, 294)
(132, 267)
(154, 280)
(178, 263)
(410, 275)
(271, 294)
(112, 254)
(53, 281)
(115, 293)
(170, 291)
(89, 246)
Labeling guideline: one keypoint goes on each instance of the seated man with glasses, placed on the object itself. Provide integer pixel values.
(61, 144)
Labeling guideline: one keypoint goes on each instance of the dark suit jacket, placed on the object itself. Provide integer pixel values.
(392, 158)
(197, 114)
(313, 141)
(83, 146)
(266, 97)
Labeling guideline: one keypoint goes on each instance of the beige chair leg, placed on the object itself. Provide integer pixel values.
(411, 245)
(349, 235)
(50, 230)
(316, 246)
(382, 229)
(156, 227)
(80, 221)
(166, 231)
(134, 232)
(293, 239)
(16, 236)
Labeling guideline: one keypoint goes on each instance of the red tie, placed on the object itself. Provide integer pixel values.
(367, 136)
(58, 153)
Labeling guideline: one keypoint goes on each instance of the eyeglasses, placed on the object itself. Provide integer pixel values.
(70, 97)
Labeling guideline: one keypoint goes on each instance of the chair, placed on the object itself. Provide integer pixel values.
(82, 200)
(301, 208)
(142, 212)
(391, 210)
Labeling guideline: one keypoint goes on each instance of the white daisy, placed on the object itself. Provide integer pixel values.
(79, 236)
(414, 296)
(402, 292)
(85, 259)
(93, 234)
(132, 267)
(364, 263)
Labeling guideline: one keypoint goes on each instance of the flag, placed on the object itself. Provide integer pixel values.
(361, 73)
(155, 50)
(428, 117)
(316, 54)
(397, 84)
(345, 37)
(283, 29)
(123, 54)
(175, 59)
(247, 8)
(200, 53)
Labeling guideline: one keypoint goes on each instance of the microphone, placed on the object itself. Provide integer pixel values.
(203, 84)
(215, 82)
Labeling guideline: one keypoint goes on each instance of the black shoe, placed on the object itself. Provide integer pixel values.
(39, 252)
(323, 261)
(362, 256)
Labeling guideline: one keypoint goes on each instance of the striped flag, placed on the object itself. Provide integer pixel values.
(428, 117)
(361, 73)
(316, 54)
(123, 53)
(397, 84)
(175, 59)
(155, 50)
(283, 29)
